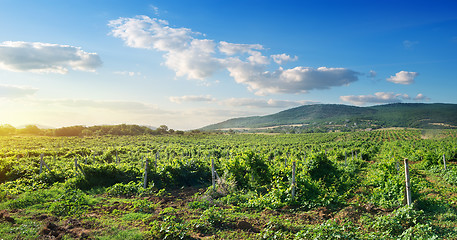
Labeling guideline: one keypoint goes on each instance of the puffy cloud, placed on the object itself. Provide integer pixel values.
(377, 98)
(283, 58)
(421, 97)
(262, 103)
(184, 54)
(295, 80)
(234, 48)
(45, 57)
(192, 98)
(194, 62)
(9, 91)
(144, 32)
(200, 58)
(403, 77)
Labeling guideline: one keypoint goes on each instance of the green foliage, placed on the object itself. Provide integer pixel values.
(29, 199)
(106, 175)
(178, 174)
(321, 168)
(211, 219)
(329, 230)
(257, 180)
(73, 202)
(388, 184)
(249, 170)
(169, 226)
(404, 223)
(129, 189)
(144, 206)
(326, 116)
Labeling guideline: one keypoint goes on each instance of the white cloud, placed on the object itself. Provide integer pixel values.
(263, 103)
(9, 91)
(144, 32)
(283, 58)
(377, 98)
(194, 62)
(127, 73)
(192, 98)
(421, 97)
(45, 58)
(187, 56)
(155, 9)
(295, 80)
(234, 48)
(201, 58)
(403, 77)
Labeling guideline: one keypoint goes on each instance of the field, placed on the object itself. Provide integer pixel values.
(347, 186)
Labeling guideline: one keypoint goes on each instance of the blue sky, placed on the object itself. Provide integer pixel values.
(188, 64)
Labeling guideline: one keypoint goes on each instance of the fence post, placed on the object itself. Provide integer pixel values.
(41, 163)
(444, 161)
(213, 175)
(345, 159)
(155, 162)
(293, 180)
(408, 184)
(145, 183)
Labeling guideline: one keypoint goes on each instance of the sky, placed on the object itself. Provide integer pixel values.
(188, 64)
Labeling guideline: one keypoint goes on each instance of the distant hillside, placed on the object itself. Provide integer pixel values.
(344, 117)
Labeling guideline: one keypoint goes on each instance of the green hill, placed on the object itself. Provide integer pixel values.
(342, 117)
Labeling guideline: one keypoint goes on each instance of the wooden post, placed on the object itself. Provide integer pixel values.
(444, 161)
(76, 166)
(145, 183)
(44, 163)
(293, 180)
(213, 175)
(155, 162)
(41, 163)
(345, 159)
(408, 184)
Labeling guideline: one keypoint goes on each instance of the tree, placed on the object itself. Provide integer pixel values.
(163, 129)
(6, 129)
(31, 129)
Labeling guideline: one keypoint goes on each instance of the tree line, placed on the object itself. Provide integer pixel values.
(82, 131)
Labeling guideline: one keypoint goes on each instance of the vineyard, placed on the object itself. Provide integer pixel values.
(282, 186)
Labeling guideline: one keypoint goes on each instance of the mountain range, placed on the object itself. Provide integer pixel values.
(338, 117)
